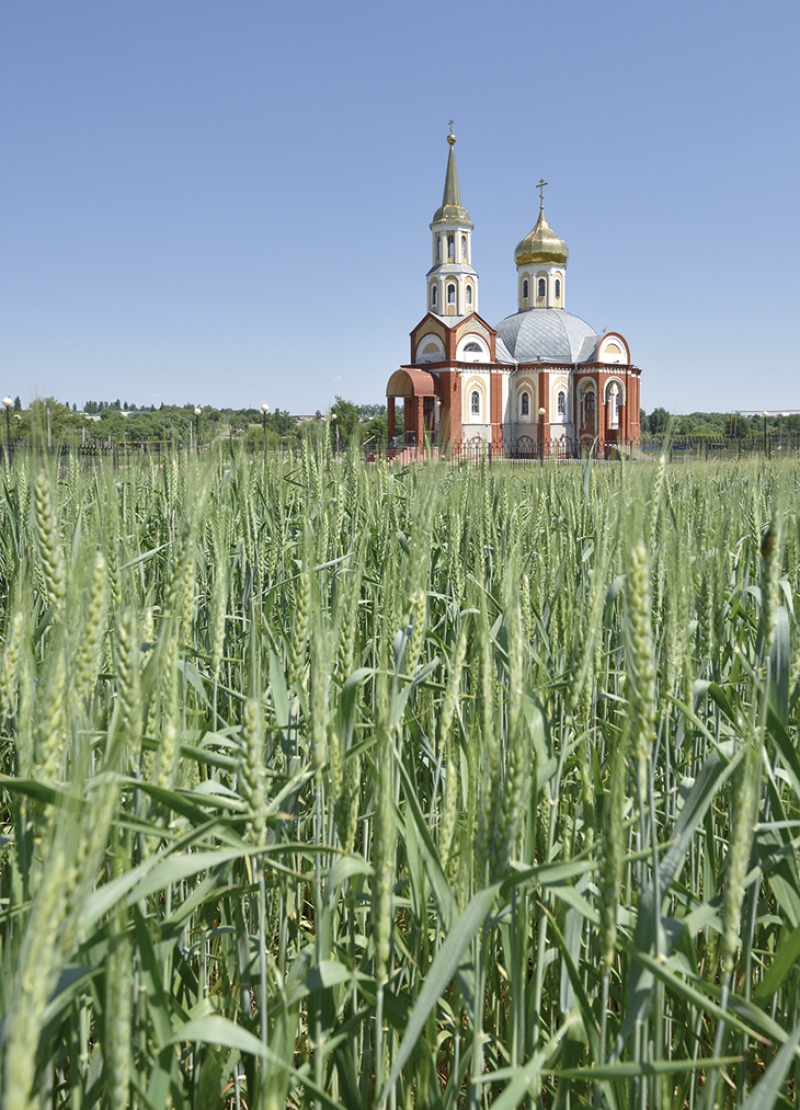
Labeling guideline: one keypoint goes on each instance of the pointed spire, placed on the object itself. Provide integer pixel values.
(452, 210)
(452, 193)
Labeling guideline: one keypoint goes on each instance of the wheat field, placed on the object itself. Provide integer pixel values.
(441, 787)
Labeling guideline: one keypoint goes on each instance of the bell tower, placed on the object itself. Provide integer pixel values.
(452, 284)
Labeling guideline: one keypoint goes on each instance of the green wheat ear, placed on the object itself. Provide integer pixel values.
(9, 674)
(129, 680)
(88, 657)
(744, 802)
(49, 545)
(449, 747)
(251, 772)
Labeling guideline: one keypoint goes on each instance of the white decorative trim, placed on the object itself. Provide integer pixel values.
(472, 356)
(475, 385)
(558, 385)
(525, 385)
(624, 357)
(618, 382)
(427, 339)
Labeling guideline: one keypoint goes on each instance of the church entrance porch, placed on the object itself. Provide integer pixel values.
(421, 395)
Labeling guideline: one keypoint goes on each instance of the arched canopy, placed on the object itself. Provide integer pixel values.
(409, 383)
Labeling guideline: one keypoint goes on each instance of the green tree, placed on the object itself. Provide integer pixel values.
(347, 419)
(282, 422)
(377, 429)
(48, 419)
(659, 418)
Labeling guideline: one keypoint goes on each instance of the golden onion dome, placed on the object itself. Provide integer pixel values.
(541, 245)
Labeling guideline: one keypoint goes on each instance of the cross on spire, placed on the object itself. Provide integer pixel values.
(540, 187)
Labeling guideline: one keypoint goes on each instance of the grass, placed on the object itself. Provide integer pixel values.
(438, 787)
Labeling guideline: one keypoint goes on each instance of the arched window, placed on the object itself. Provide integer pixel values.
(451, 294)
(561, 402)
(472, 346)
(558, 289)
(542, 288)
(433, 296)
(588, 410)
(438, 248)
(463, 248)
(525, 289)
(469, 295)
(451, 248)
(613, 405)
(475, 403)
(525, 404)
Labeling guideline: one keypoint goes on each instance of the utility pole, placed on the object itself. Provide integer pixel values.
(264, 411)
(7, 403)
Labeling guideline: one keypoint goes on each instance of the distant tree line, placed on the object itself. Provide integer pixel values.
(93, 407)
(113, 422)
(344, 421)
(718, 424)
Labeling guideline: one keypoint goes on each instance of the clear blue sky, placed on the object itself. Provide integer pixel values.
(228, 203)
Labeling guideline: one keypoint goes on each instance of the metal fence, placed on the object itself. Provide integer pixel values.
(106, 449)
(523, 449)
(771, 445)
(564, 449)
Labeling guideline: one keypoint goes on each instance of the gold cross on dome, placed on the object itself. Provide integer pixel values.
(540, 187)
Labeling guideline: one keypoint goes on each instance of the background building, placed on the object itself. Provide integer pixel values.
(542, 379)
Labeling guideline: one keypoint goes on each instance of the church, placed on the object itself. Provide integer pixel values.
(542, 383)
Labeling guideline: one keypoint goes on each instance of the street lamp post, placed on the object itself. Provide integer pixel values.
(541, 436)
(264, 411)
(8, 403)
(197, 412)
(335, 420)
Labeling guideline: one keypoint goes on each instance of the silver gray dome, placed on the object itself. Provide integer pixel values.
(548, 335)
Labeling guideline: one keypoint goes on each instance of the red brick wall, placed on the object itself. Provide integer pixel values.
(496, 409)
(600, 406)
(450, 420)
